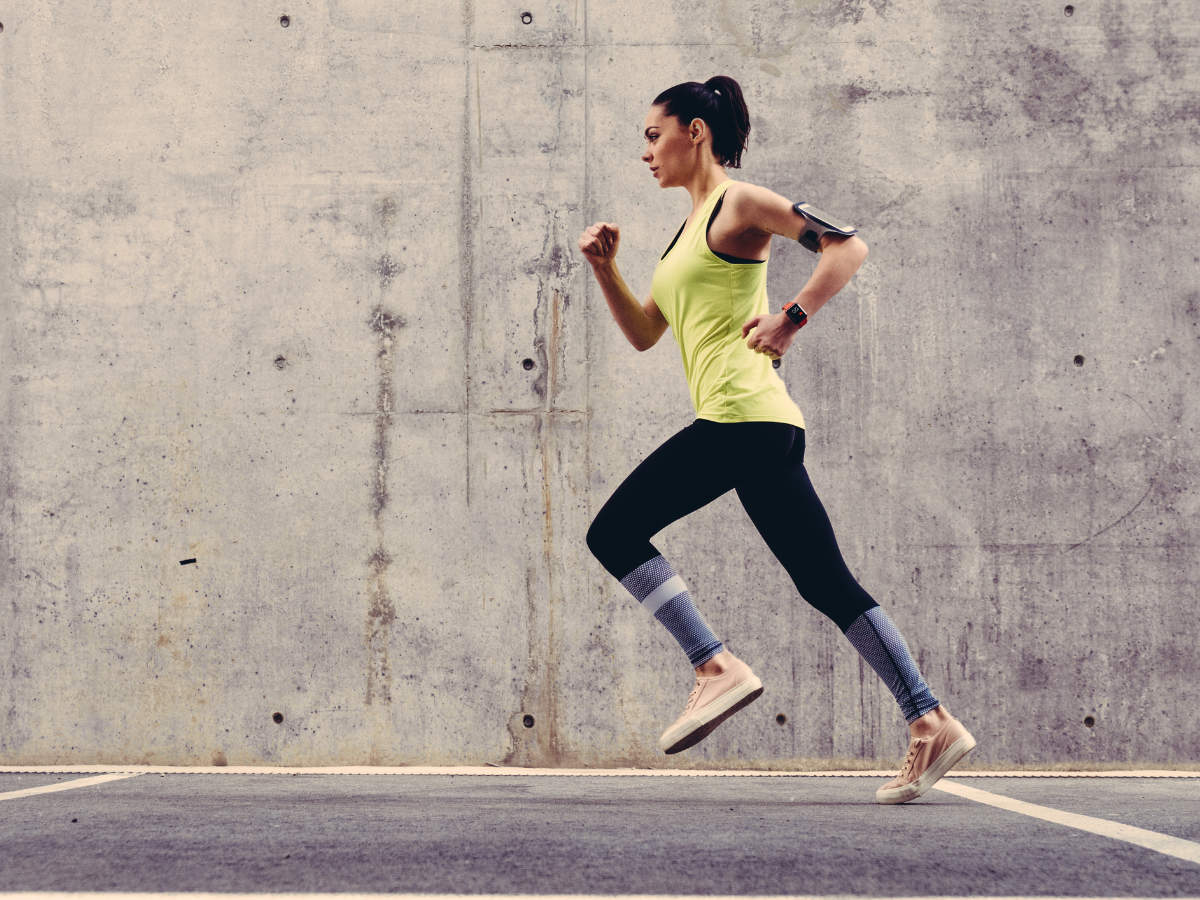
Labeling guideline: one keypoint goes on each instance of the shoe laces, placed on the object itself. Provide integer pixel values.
(693, 696)
(910, 758)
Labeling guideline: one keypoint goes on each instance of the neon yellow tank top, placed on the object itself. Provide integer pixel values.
(706, 299)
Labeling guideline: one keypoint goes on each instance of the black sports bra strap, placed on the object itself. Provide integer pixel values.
(737, 260)
(668, 250)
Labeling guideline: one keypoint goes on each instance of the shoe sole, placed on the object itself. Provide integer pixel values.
(950, 757)
(733, 701)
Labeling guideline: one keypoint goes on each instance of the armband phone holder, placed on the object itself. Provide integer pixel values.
(817, 223)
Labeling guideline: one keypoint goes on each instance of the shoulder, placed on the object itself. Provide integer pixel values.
(756, 208)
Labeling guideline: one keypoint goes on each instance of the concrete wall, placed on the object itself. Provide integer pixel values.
(304, 304)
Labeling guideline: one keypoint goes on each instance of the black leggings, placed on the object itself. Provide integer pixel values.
(764, 463)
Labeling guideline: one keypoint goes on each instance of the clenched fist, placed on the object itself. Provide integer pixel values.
(599, 243)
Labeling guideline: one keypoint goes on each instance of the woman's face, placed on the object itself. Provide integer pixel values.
(670, 151)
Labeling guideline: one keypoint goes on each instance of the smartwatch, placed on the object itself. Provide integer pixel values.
(798, 316)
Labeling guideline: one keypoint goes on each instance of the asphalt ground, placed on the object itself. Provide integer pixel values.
(589, 834)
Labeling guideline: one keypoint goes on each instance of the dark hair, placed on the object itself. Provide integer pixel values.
(720, 104)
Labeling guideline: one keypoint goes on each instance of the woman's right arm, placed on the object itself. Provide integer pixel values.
(642, 324)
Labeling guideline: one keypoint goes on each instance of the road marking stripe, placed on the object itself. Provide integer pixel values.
(1151, 840)
(67, 785)
(58, 895)
(588, 773)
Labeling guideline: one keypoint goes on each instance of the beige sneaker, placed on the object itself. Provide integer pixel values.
(713, 700)
(928, 760)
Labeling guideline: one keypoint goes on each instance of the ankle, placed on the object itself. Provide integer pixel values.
(929, 723)
(714, 666)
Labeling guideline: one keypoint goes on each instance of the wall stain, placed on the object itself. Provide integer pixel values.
(541, 744)
(381, 615)
(381, 611)
(385, 213)
(387, 269)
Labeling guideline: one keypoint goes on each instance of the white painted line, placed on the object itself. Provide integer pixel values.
(484, 771)
(67, 785)
(1151, 840)
(574, 773)
(53, 895)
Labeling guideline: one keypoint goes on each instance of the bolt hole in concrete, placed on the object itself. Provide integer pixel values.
(527, 721)
(781, 719)
(278, 717)
(280, 362)
(1089, 721)
(285, 21)
(1079, 360)
(1, 28)
(1070, 11)
(528, 364)
(527, 18)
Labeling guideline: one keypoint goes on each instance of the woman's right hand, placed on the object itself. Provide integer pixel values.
(599, 243)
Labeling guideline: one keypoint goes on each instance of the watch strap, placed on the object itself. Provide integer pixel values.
(798, 316)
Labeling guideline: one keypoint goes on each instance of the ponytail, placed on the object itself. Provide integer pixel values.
(719, 102)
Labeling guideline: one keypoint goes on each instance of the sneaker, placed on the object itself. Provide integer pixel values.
(713, 700)
(928, 760)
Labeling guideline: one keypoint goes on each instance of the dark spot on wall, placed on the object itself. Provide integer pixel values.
(1054, 92)
(219, 759)
(386, 323)
(387, 269)
(281, 362)
(1079, 360)
(528, 721)
(277, 718)
(105, 204)
(385, 211)
(1034, 673)
(285, 21)
(527, 18)
(1191, 308)
(854, 93)
(379, 561)
(1089, 721)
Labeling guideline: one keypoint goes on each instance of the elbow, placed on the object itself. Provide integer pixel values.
(861, 248)
(643, 342)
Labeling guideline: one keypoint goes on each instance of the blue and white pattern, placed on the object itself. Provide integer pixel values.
(876, 637)
(664, 594)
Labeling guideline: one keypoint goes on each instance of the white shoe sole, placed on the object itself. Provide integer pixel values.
(943, 764)
(704, 721)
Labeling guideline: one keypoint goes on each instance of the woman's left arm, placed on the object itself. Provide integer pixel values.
(762, 211)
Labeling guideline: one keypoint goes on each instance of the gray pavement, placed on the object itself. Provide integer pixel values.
(584, 834)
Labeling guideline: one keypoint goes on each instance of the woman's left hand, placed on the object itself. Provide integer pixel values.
(772, 334)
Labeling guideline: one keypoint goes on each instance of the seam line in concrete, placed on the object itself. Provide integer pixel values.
(1142, 837)
(67, 785)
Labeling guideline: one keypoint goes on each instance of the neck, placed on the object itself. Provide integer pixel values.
(703, 181)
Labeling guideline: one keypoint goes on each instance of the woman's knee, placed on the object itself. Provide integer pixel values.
(618, 545)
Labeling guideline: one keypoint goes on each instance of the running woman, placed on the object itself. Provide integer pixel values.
(709, 288)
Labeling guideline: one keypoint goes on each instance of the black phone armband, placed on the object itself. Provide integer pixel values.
(817, 223)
